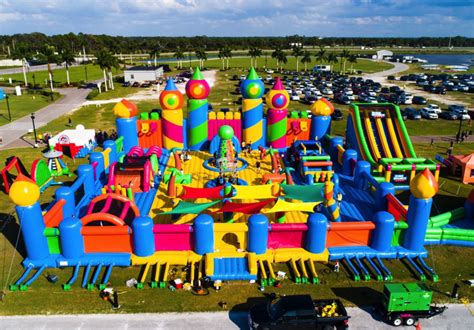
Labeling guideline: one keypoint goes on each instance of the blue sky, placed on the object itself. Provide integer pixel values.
(358, 18)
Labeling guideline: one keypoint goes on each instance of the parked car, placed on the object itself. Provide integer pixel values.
(337, 115)
(295, 96)
(413, 113)
(136, 84)
(435, 107)
(429, 113)
(126, 84)
(418, 100)
(457, 107)
(391, 78)
(448, 115)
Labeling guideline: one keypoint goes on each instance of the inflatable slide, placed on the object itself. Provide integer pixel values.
(377, 132)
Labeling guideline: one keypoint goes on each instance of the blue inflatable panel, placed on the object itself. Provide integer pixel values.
(144, 201)
(336, 253)
(402, 252)
(227, 269)
(214, 144)
(450, 242)
(95, 259)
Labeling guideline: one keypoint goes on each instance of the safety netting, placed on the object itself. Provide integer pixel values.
(313, 193)
(210, 193)
(190, 208)
(284, 206)
(246, 208)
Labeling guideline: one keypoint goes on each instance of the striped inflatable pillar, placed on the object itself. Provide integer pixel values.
(330, 203)
(171, 101)
(252, 89)
(197, 90)
(423, 187)
(277, 100)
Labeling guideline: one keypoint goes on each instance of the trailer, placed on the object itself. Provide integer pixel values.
(406, 303)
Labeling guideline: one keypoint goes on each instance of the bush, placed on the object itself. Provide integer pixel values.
(92, 95)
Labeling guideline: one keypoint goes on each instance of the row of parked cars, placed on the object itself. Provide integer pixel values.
(433, 111)
(440, 83)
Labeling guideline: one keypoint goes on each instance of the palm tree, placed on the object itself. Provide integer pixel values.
(344, 56)
(321, 55)
(257, 53)
(105, 60)
(306, 59)
(179, 55)
(50, 56)
(251, 53)
(155, 52)
(20, 52)
(202, 56)
(228, 54)
(67, 57)
(222, 57)
(352, 60)
(331, 58)
(282, 59)
(297, 52)
(276, 54)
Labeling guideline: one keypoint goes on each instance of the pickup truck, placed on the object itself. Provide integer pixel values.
(299, 312)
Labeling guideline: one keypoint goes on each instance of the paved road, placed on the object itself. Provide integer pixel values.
(34, 68)
(456, 317)
(11, 133)
(382, 75)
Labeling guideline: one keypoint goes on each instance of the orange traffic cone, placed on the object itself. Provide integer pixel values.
(418, 325)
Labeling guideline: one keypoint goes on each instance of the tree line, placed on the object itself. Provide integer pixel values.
(118, 44)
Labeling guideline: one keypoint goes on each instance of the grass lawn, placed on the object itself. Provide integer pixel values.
(243, 62)
(119, 91)
(77, 74)
(23, 105)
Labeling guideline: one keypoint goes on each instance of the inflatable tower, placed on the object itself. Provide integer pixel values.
(321, 111)
(252, 110)
(171, 101)
(277, 100)
(197, 91)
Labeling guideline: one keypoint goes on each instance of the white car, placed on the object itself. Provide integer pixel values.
(295, 97)
(429, 113)
(461, 113)
(434, 107)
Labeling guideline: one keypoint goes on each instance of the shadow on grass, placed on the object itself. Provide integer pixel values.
(11, 230)
(359, 296)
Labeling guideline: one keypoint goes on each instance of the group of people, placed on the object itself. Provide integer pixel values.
(462, 136)
(185, 155)
(102, 136)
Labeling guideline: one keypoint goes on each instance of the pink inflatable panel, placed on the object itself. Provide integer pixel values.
(214, 124)
(286, 236)
(172, 237)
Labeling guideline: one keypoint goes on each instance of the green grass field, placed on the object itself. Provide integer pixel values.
(77, 75)
(243, 63)
(23, 105)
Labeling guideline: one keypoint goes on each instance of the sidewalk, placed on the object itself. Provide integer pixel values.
(12, 132)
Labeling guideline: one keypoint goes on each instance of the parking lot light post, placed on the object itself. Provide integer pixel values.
(8, 108)
(34, 128)
(460, 125)
(85, 71)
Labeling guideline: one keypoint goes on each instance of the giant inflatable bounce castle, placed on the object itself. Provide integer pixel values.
(231, 194)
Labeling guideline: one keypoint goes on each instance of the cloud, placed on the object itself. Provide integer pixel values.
(240, 17)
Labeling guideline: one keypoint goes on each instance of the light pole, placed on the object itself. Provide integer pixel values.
(85, 70)
(8, 108)
(460, 127)
(34, 128)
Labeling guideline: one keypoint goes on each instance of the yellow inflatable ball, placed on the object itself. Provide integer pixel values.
(24, 192)
(322, 107)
